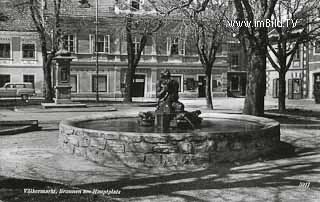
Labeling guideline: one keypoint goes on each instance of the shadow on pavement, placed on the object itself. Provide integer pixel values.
(271, 174)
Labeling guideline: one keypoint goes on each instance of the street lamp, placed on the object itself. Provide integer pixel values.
(86, 4)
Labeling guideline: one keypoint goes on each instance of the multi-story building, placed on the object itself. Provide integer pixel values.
(20, 54)
(21, 58)
(296, 77)
(301, 76)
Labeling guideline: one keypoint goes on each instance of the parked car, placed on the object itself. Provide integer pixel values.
(23, 90)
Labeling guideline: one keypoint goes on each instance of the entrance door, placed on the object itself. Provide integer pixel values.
(138, 85)
(201, 86)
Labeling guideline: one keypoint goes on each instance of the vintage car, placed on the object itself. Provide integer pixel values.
(23, 90)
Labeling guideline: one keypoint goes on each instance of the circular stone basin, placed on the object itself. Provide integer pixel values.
(217, 125)
(222, 138)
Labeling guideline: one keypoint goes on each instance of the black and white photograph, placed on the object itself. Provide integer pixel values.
(159, 100)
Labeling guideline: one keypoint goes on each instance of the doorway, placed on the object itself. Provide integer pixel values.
(201, 86)
(138, 85)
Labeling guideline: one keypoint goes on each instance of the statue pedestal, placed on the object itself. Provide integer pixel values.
(62, 84)
(162, 121)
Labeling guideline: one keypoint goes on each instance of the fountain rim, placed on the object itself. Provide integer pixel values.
(265, 123)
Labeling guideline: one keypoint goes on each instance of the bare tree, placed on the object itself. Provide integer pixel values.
(48, 28)
(254, 39)
(206, 24)
(141, 22)
(300, 25)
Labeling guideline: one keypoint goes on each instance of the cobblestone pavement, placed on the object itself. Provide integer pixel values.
(36, 156)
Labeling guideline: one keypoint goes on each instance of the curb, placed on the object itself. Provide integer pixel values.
(22, 126)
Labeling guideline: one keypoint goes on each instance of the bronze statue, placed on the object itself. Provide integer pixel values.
(169, 112)
(167, 93)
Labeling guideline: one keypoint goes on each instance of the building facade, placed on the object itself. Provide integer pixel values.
(302, 77)
(20, 59)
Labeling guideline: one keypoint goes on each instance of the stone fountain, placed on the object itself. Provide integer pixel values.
(169, 137)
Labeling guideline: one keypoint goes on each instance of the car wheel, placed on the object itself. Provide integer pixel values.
(25, 97)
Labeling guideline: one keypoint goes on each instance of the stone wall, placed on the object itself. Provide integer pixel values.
(168, 150)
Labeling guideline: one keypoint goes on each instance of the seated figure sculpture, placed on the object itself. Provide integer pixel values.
(167, 93)
(169, 112)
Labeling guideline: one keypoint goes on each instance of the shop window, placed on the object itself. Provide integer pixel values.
(73, 83)
(4, 78)
(102, 83)
(4, 50)
(190, 83)
(29, 78)
(28, 51)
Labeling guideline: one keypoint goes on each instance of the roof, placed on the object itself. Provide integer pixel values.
(16, 19)
(73, 8)
(19, 18)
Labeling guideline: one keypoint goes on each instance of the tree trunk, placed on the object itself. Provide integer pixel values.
(282, 92)
(129, 84)
(47, 81)
(131, 69)
(254, 102)
(208, 90)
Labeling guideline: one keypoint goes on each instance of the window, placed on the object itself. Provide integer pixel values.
(102, 83)
(190, 84)
(234, 60)
(103, 44)
(136, 45)
(176, 46)
(4, 78)
(28, 51)
(135, 5)
(179, 80)
(317, 47)
(73, 83)
(5, 50)
(29, 78)
(69, 43)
